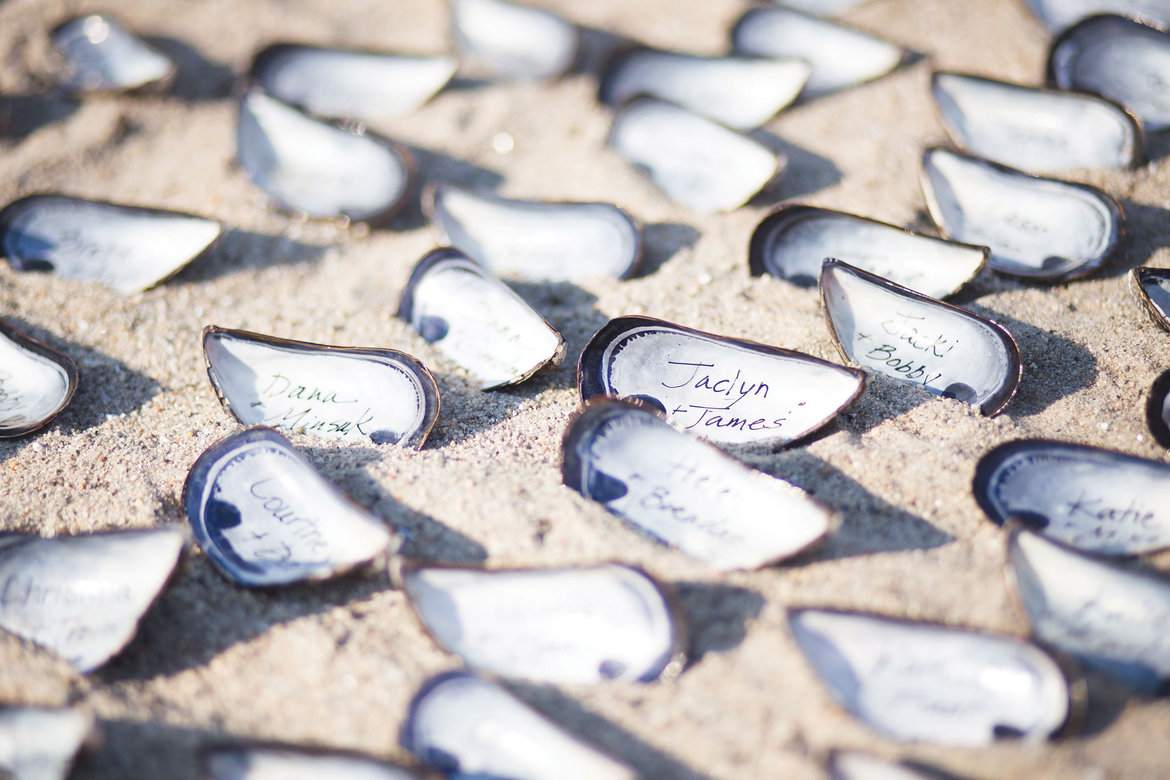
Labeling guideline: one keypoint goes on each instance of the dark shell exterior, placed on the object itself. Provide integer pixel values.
(21, 342)
(1158, 409)
(1151, 287)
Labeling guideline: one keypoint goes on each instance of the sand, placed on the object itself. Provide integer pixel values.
(336, 664)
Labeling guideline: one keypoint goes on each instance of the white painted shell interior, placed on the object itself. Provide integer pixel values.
(32, 387)
(1058, 15)
(275, 764)
(40, 744)
(861, 766)
(822, 7)
(513, 40)
(556, 625)
(694, 161)
(100, 54)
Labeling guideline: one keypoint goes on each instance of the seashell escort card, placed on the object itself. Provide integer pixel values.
(477, 321)
(36, 382)
(127, 248)
(514, 41)
(98, 54)
(537, 240)
(729, 391)
(1037, 130)
(265, 516)
(932, 345)
(686, 493)
(1102, 614)
(1151, 287)
(1059, 15)
(82, 596)
(793, 241)
(695, 162)
(42, 744)
(465, 726)
(348, 393)
(1036, 228)
(574, 625)
(287, 762)
(916, 681)
(1105, 502)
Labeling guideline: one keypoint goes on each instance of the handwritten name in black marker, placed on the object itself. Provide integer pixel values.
(725, 390)
(1108, 523)
(10, 398)
(311, 412)
(301, 528)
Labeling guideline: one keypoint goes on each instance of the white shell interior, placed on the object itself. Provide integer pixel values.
(694, 161)
(276, 764)
(538, 241)
(925, 264)
(920, 682)
(369, 85)
(1032, 129)
(491, 331)
(82, 596)
(551, 625)
(919, 342)
(40, 744)
(329, 393)
(724, 392)
(101, 55)
(126, 249)
(840, 56)
(692, 496)
(1034, 227)
(491, 733)
(514, 41)
(740, 92)
(313, 167)
(861, 766)
(292, 525)
(1157, 289)
(1058, 15)
(32, 387)
(822, 7)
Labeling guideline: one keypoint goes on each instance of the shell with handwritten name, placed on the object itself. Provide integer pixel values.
(466, 726)
(42, 744)
(1036, 130)
(1151, 287)
(97, 53)
(1098, 500)
(127, 248)
(477, 321)
(917, 681)
(1059, 15)
(347, 393)
(725, 390)
(538, 240)
(272, 761)
(913, 338)
(36, 382)
(685, 492)
(570, 625)
(512, 40)
(82, 596)
(793, 241)
(265, 516)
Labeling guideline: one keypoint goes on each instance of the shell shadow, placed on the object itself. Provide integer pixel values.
(717, 615)
(596, 49)
(804, 173)
(1147, 230)
(131, 748)
(197, 78)
(661, 241)
(884, 399)
(570, 310)
(242, 249)
(23, 115)
(439, 167)
(1157, 146)
(1107, 697)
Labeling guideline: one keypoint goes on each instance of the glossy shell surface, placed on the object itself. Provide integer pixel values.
(36, 382)
(42, 744)
(98, 54)
(512, 40)
(286, 762)
(1059, 15)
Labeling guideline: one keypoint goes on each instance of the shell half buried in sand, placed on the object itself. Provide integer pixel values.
(1100, 501)
(466, 726)
(793, 241)
(36, 382)
(265, 761)
(347, 393)
(1036, 228)
(477, 321)
(572, 625)
(932, 345)
(99, 54)
(1151, 287)
(514, 41)
(686, 492)
(42, 744)
(917, 681)
(82, 596)
(265, 516)
(725, 390)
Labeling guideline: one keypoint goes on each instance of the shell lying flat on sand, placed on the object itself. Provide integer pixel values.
(1059, 15)
(287, 762)
(514, 41)
(42, 744)
(36, 382)
(852, 765)
(98, 54)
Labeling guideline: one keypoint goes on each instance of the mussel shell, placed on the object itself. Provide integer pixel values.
(265, 516)
(822, 7)
(99, 54)
(36, 382)
(347, 393)
(793, 241)
(1151, 287)
(852, 765)
(789, 394)
(1037, 130)
(514, 41)
(687, 493)
(840, 56)
(319, 169)
(740, 92)
(574, 625)
(538, 240)
(1058, 15)
(1158, 409)
(127, 248)
(82, 596)
(984, 371)
(272, 761)
(464, 725)
(347, 82)
(42, 744)
(1104, 502)
(916, 681)
(1119, 59)
(1036, 228)
(477, 321)
(1105, 616)
(694, 161)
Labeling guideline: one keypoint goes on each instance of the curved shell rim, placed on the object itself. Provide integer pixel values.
(35, 345)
